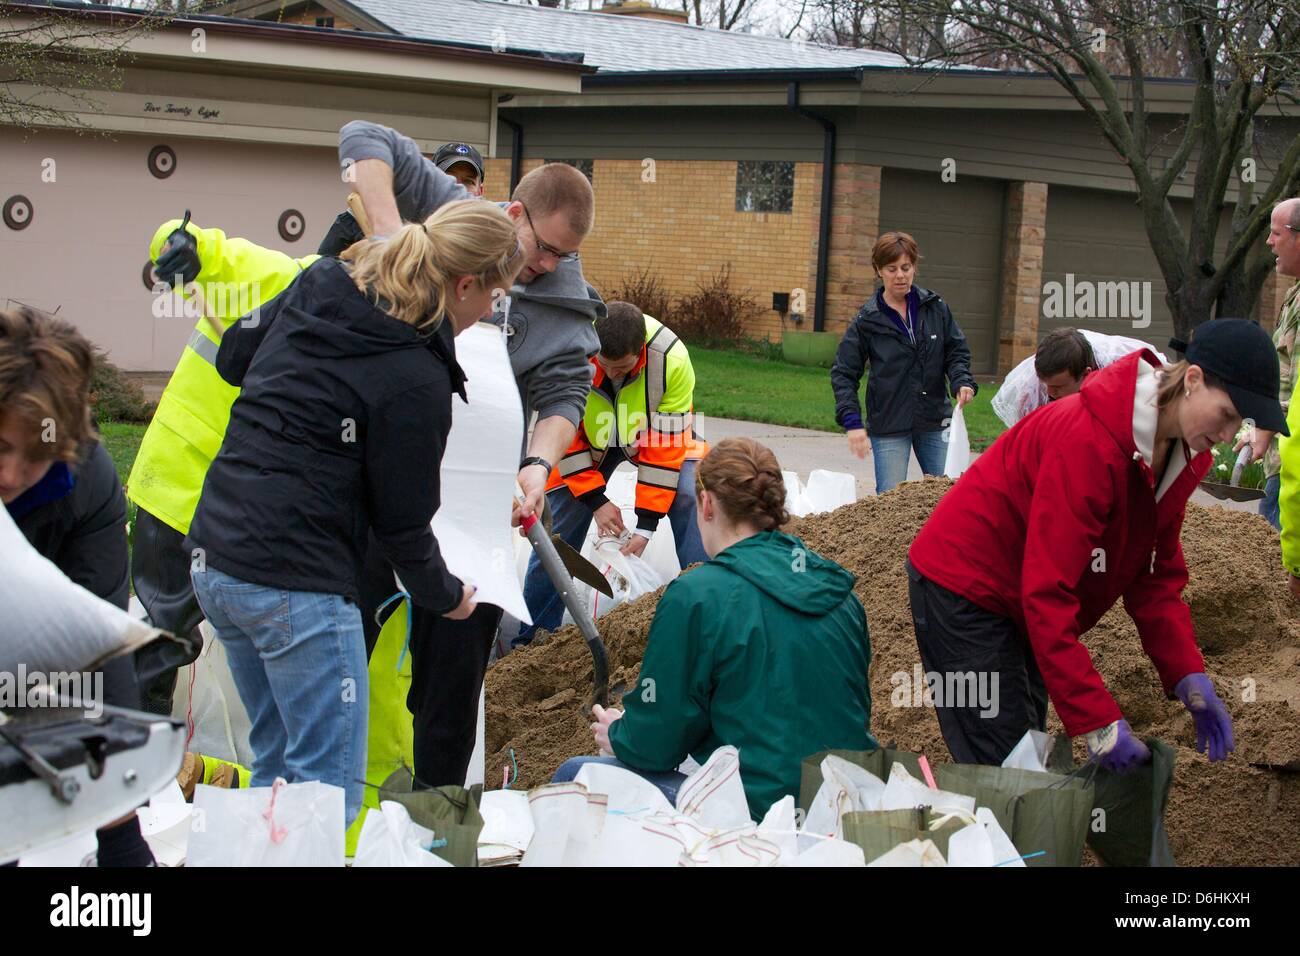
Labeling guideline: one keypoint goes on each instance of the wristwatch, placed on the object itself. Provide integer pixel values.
(535, 460)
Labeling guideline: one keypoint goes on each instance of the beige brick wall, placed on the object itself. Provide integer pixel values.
(1024, 231)
(684, 227)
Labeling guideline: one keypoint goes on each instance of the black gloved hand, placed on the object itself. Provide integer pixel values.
(179, 256)
(344, 231)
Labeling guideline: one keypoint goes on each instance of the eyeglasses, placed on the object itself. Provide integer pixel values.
(546, 247)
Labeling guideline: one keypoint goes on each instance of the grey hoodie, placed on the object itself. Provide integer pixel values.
(550, 333)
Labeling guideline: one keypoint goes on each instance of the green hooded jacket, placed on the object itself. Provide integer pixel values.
(764, 648)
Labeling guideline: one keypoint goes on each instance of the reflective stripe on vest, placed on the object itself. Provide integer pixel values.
(658, 477)
(656, 367)
(204, 346)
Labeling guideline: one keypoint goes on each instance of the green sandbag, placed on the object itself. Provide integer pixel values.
(1038, 811)
(1132, 830)
(877, 761)
(879, 831)
(451, 812)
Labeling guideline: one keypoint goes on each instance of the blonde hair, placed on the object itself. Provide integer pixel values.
(407, 276)
(1172, 382)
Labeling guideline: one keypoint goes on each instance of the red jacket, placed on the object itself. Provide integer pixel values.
(1061, 518)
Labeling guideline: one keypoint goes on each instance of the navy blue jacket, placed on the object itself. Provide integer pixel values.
(905, 390)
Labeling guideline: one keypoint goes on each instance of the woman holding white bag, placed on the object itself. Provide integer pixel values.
(347, 380)
(764, 647)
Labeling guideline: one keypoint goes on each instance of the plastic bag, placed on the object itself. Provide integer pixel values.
(286, 824)
(1022, 391)
(846, 788)
(828, 490)
(983, 843)
(50, 624)
(958, 457)
(390, 838)
(206, 698)
(629, 577)
(912, 853)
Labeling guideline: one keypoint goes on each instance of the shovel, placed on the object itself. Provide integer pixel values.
(1232, 491)
(563, 584)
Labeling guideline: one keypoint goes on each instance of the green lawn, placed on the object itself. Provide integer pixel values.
(739, 385)
(122, 441)
(727, 385)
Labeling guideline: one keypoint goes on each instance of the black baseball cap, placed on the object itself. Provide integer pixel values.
(1241, 355)
(452, 153)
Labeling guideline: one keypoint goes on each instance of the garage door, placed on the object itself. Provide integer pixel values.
(83, 250)
(1098, 237)
(958, 227)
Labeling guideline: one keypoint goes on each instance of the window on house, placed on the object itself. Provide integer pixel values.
(763, 186)
(325, 21)
(582, 165)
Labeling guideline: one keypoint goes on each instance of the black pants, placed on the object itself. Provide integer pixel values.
(987, 688)
(448, 663)
(160, 572)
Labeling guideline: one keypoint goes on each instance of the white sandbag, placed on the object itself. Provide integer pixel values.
(1030, 753)
(846, 788)
(165, 825)
(904, 792)
(287, 824)
(829, 853)
(828, 490)
(391, 838)
(206, 699)
(625, 792)
(478, 473)
(911, 853)
(51, 625)
(957, 459)
(507, 825)
(795, 501)
(714, 795)
(629, 577)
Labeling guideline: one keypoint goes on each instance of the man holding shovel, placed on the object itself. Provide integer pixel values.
(640, 410)
(550, 339)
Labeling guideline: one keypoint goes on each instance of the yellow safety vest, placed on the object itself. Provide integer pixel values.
(188, 427)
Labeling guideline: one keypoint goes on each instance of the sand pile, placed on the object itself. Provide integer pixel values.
(1244, 811)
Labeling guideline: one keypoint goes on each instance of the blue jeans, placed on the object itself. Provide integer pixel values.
(891, 454)
(570, 519)
(1268, 505)
(668, 783)
(298, 659)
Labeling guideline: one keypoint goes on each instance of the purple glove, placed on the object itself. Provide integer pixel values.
(1116, 749)
(1213, 723)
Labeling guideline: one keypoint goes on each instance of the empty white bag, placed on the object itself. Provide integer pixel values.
(958, 458)
(286, 824)
(391, 838)
(48, 623)
(207, 700)
(629, 577)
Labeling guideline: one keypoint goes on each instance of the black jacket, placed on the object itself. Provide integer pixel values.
(339, 428)
(84, 532)
(905, 391)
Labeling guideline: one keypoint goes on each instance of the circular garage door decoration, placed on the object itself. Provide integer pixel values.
(291, 225)
(150, 277)
(162, 161)
(18, 212)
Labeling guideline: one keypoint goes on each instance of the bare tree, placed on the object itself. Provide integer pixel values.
(53, 60)
(1243, 56)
